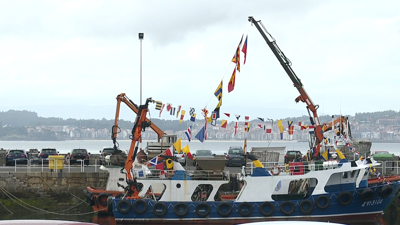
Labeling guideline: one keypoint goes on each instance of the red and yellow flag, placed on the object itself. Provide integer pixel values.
(231, 84)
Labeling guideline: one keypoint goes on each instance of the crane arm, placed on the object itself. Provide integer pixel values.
(123, 98)
(140, 125)
(286, 64)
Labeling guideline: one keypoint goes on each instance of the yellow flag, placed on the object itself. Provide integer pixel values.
(340, 154)
(325, 155)
(177, 145)
(186, 150)
(279, 123)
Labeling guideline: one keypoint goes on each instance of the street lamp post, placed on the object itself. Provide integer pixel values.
(141, 36)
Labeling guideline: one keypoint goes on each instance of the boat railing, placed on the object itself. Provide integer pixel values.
(193, 174)
(385, 167)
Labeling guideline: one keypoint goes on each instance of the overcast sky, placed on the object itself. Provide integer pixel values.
(71, 59)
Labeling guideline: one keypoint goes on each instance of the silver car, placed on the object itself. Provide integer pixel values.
(235, 157)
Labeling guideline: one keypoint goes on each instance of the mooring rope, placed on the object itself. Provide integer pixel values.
(24, 205)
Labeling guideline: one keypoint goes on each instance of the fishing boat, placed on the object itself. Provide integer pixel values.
(330, 191)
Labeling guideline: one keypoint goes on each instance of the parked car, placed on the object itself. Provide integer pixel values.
(235, 156)
(105, 152)
(202, 154)
(293, 156)
(33, 155)
(382, 155)
(44, 154)
(181, 157)
(79, 154)
(16, 156)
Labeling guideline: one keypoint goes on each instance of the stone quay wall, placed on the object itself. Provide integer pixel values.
(47, 184)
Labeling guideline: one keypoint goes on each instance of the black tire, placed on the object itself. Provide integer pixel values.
(124, 206)
(137, 204)
(109, 204)
(306, 207)
(367, 194)
(385, 191)
(287, 212)
(245, 209)
(267, 204)
(181, 209)
(220, 209)
(322, 198)
(345, 198)
(156, 210)
(120, 195)
(89, 197)
(200, 207)
(101, 196)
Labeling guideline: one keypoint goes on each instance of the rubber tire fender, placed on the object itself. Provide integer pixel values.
(344, 194)
(163, 211)
(124, 210)
(139, 202)
(318, 202)
(282, 208)
(304, 211)
(224, 214)
(109, 204)
(245, 204)
(367, 194)
(101, 196)
(385, 191)
(201, 205)
(271, 205)
(178, 212)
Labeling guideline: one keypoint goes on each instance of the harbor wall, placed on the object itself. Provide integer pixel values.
(47, 184)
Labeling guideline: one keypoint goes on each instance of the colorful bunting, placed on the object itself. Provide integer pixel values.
(231, 84)
(236, 57)
(169, 106)
(172, 111)
(193, 117)
(186, 150)
(158, 105)
(162, 107)
(237, 117)
(191, 111)
(224, 123)
(182, 116)
(179, 110)
(201, 135)
(189, 133)
(262, 119)
(244, 50)
(227, 114)
(178, 145)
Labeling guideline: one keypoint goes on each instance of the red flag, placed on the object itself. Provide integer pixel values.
(269, 131)
(231, 84)
(260, 125)
(160, 167)
(227, 114)
(246, 118)
(244, 50)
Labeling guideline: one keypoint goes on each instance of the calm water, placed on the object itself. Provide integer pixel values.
(94, 146)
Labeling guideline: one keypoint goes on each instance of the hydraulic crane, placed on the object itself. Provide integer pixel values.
(141, 123)
(318, 136)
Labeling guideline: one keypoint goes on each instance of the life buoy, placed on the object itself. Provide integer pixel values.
(325, 199)
(273, 170)
(123, 206)
(160, 209)
(109, 204)
(306, 207)
(345, 198)
(102, 198)
(267, 204)
(385, 191)
(245, 209)
(181, 209)
(287, 168)
(203, 209)
(140, 206)
(222, 212)
(367, 194)
(287, 212)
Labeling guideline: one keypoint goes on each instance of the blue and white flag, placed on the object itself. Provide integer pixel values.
(189, 133)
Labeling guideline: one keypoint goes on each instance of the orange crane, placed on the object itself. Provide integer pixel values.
(318, 136)
(123, 98)
(141, 123)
